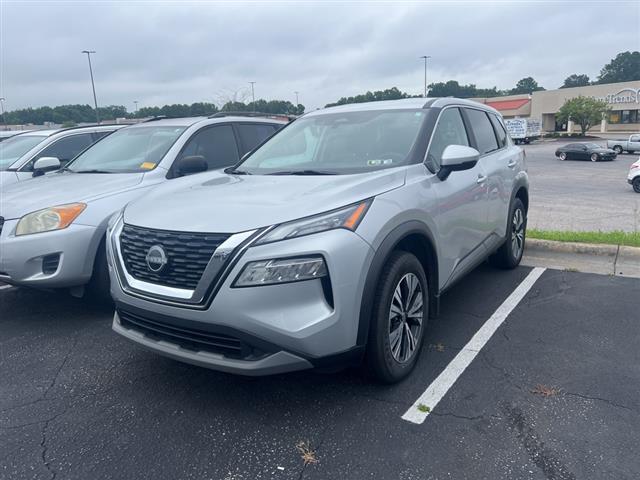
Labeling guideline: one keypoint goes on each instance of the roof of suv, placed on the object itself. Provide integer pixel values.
(188, 121)
(405, 103)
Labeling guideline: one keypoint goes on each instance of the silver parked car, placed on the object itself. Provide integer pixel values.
(331, 242)
(52, 228)
(40, 151)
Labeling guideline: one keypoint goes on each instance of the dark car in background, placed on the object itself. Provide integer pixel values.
(585, 151)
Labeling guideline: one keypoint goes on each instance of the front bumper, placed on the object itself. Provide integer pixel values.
(22, 257)
(292, 326)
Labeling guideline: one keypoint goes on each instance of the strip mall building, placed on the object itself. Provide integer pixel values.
(623, 100)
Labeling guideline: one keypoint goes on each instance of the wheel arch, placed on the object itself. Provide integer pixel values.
(416, 238)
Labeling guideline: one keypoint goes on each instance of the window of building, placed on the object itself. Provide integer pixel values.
(624, 116)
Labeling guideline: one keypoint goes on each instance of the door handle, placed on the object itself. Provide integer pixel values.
(512, 163)
(481, 178)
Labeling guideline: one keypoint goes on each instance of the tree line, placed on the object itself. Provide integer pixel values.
(624, 67)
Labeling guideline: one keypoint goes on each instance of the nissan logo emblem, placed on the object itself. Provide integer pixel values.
(156, 259)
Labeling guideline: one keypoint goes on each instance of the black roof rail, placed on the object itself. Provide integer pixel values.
(92, 125)
(251, 114)
(153, 119)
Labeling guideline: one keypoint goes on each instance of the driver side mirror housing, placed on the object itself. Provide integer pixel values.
(456, 158)
(45, 164)
(190, 165)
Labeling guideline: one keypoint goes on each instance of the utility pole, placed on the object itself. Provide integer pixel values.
(4, 122)
(253, 96)
(426, 57)
(135, 102)
(297, 102)
(93, 87)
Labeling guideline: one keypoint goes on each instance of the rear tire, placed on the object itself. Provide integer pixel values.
(563, 156)
(399, 317)
(508, 256)
(636, 184)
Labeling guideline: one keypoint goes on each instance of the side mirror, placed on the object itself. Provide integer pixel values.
(191, 164)
(45, 164)
(456, 158)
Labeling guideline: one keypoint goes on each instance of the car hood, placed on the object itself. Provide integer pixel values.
(221, 203)
(7, 177)
(61, 188)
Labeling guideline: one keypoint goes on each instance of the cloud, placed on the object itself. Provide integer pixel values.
(163, 52)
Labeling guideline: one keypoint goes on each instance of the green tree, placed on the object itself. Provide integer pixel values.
(576, 80)
(526, 85)
(625, 67)
(392, 93)
(453, 89)
(584, 111)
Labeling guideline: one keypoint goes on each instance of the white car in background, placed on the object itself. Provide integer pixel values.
(40, 151)
(634, 176)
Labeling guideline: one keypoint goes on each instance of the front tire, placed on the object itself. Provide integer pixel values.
(594, 157)
(98, 289)
(510, 253)
(400, 312)
(617, 149)
(636, 184)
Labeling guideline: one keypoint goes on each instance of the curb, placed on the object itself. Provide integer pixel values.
(598, 249)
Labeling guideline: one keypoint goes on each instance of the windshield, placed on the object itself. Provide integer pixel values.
(129, 150)
(13, 148)
(340, 143)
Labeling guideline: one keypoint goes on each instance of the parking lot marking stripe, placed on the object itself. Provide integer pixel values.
(420, 409)
(3, 287)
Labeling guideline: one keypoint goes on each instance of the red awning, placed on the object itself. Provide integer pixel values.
(501, 105)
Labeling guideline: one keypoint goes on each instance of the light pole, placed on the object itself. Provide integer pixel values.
(135, 102)
(297, 102)
(2, 111)
(426, 57)
(93, 87)
(253, 95)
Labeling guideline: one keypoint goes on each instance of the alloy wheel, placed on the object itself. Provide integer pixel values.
(563, 156)
(517, 233)
(405, 318)
(594, 157)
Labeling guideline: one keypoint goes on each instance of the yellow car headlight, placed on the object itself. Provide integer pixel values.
(48, 219)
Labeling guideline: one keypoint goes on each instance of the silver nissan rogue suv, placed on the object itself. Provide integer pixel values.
(328, 244)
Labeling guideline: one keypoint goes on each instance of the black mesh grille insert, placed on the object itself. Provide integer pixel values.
(187, 254)
(50, 263)
(190, 339)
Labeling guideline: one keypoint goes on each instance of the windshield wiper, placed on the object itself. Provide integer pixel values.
(234, 171)
(303, 172)
(91, 171)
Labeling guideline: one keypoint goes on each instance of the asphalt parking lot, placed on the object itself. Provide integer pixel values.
(580, 195)
(552, 395)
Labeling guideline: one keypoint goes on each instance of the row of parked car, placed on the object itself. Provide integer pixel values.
(254, 245)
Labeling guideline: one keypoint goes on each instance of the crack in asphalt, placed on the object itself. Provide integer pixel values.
(543, 457)
(599, 399)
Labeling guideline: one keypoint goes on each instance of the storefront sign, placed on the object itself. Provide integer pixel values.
(626, 95)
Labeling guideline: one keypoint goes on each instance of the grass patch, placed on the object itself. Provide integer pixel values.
(423, 408)
(617, 237)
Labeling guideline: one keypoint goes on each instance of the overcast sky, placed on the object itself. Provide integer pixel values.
(182, 52)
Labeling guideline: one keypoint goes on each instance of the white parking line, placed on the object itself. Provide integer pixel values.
(4, 287)
(420, 409)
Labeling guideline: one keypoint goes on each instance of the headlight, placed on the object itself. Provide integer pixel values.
(346, 217)
(272, 272)
(48, 219)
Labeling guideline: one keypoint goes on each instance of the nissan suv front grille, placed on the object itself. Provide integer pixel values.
(180, 257)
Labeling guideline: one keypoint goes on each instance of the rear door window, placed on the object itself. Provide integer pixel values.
(501, 133)
(253, 134)
(216, 144)
(482, 130)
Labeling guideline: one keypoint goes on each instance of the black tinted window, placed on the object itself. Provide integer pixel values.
(449, 131)
(216, 144)
(98, 135)
(501, 133)
(253, 134)
(65, 149)
(483, 131)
